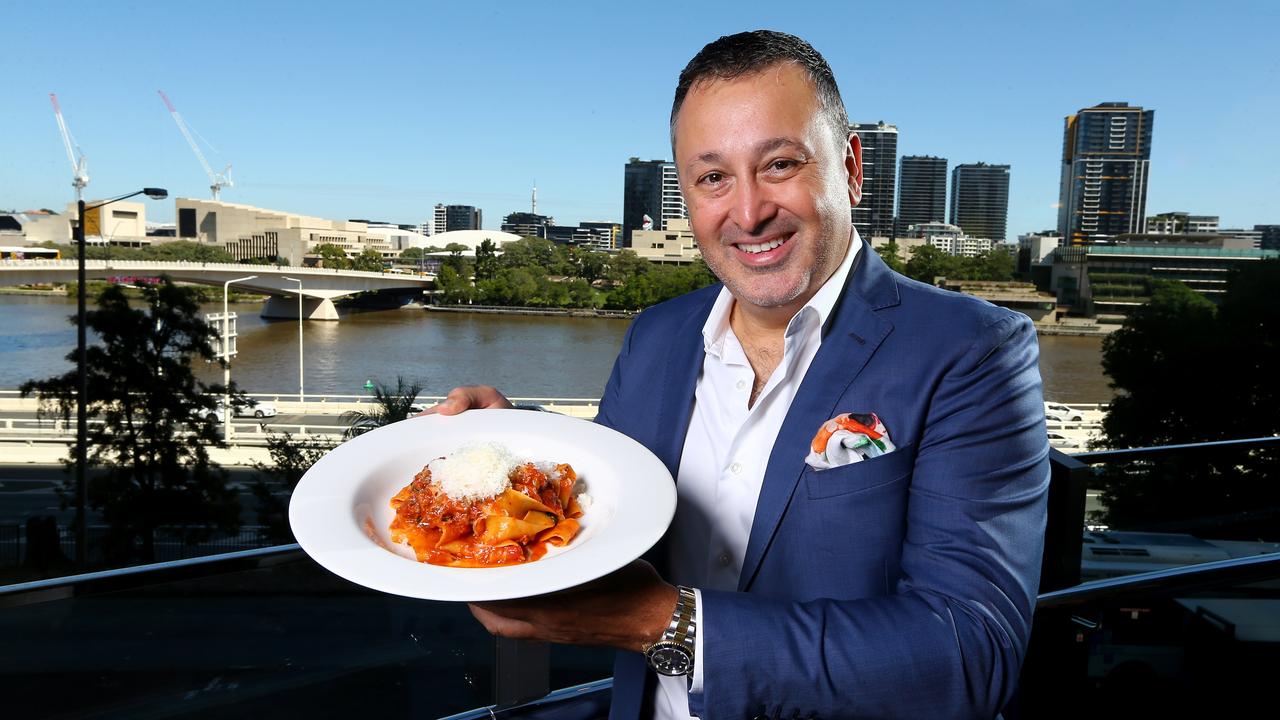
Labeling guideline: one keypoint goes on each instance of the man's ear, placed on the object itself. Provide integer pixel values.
(853, 163)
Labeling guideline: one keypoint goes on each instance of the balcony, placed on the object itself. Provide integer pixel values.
(267, 632)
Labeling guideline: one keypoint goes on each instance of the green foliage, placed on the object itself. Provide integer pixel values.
(143, 401)
(176, 251)
(660, 283)
(389, 406)
(928, 263)
(889, 253)
(1187, 372)
(332, 256)
(273, 486)
(369, 260)
(412, 254)
(486, 260)
(454, 289)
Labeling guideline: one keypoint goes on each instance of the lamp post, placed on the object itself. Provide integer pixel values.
(82, 372)
(301, 385)
(226, 356)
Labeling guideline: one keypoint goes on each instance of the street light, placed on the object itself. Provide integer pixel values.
(226, 356)
(301, 394)
(82, 373)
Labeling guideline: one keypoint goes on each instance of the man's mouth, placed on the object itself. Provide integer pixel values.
(764, 247)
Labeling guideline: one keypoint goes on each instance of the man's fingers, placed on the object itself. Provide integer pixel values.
(469, 397)
(501, 626)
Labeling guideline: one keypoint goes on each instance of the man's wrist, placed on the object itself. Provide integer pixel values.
(673, 653)
(657, 622)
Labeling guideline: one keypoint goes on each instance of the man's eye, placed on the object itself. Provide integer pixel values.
(782, 165)
(712, 179)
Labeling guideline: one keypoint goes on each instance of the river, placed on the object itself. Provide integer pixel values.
(525, 356)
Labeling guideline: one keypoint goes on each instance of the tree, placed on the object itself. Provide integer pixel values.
(332, 256)
(187, 251)
(1187, 372)
(889, 253)
(486, 260)
(290, 460)
(369, 260)
(412, 254)
(626, 265)
(150, 440)
(928, 262)
(389, 406)
(454, 289)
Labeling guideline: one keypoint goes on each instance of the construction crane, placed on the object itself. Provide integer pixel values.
(217, 181)
(80, 177)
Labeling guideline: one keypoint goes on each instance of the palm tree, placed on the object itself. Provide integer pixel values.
(389, 405)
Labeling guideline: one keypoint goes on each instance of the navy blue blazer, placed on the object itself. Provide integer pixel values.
(900, 586)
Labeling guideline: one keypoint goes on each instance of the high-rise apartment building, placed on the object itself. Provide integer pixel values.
(650, 188)
(1106, 155)
(527, 224)
(922, 191)
(874, 215)
(457, 217)
(980, 200)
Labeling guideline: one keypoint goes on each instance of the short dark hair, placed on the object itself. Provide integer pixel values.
(734, 56)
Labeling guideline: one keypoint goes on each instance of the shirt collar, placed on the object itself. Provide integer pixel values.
(819, 306)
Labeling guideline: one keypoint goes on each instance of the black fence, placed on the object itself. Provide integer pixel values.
(37, 544)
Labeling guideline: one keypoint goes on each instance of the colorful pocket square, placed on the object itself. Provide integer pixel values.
(848, 438)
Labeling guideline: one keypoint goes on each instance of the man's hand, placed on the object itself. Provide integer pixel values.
(469, 397)
(628, 609)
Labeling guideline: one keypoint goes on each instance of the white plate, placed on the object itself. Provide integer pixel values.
(341, 509)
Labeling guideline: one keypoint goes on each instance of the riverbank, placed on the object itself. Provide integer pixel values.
(1072, 330)
(547, 312)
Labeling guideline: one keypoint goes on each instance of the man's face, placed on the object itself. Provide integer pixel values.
(767, 184)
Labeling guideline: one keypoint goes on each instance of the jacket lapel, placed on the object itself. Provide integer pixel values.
(854, 332)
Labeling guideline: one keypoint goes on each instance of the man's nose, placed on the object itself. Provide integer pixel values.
(753, 205)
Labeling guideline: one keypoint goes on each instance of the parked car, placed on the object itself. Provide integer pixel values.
(1062, 442)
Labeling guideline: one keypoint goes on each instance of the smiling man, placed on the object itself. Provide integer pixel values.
(861, 459)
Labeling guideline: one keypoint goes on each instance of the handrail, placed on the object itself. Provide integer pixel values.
(140, 575)
(493, 712)
(1141, 453)
(1187, 578)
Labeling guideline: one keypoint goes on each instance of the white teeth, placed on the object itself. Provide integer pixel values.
(761, 247)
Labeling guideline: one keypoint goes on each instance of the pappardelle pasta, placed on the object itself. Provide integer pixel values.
(478, 507)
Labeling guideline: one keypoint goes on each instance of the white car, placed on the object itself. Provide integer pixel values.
(1054, 412)
(1062, 442)
(255, 408)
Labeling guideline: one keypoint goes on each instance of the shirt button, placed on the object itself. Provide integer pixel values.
(742, 384)
(735, 468)
(724, 559)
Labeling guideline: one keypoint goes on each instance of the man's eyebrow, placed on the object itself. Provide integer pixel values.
(763, 147)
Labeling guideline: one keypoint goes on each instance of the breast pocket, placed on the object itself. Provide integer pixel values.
(860, 476)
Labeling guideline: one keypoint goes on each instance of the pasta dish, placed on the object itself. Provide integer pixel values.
(478, 507)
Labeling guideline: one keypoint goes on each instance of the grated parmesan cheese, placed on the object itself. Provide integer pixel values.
(474, 472)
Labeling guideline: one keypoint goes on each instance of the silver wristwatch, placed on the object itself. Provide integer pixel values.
(672, 654)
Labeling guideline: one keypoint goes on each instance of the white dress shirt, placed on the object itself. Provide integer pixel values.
(726, 451)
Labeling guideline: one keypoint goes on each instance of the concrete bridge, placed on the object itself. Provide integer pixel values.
(319, 285)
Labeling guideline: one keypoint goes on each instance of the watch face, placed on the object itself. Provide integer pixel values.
(669, 658)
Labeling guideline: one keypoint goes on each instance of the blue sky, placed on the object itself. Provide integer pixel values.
(380, 109)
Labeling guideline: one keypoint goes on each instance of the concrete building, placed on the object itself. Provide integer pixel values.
(1270, 236)
(873, 216)
(248, 232)
(675, 245)
(527, 224)
(601, 235)
(1241, 238)
(1106, 157)
(34, 227)
(980, 200)
(650, 188)
(1110, 279)
(922, 191)
(397, 236)
(448, 218)
(1180, 223)
(469, 239)
(1040, 245)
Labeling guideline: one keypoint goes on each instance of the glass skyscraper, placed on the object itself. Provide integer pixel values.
(980, 200)
(874, 215)
(650, 187)
(1106, 155)
(922, 191)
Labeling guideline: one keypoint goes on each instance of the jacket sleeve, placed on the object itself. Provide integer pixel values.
(949, 641)
(609, 401)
